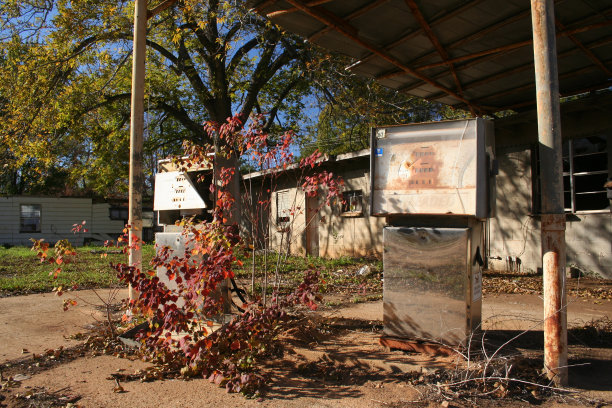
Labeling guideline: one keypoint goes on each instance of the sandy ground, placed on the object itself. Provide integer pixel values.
(37, 322)
(371, 373)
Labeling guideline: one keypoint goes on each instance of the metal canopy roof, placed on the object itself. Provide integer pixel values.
(474, 54)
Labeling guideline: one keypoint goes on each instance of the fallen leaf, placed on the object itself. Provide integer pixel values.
(118, 388)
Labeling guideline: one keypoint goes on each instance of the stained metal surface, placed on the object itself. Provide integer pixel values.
(475, 51)
(176, 242)
(429, 292)
(432, 168)
(555, 298)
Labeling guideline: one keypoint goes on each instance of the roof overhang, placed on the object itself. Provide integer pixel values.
(471, 54)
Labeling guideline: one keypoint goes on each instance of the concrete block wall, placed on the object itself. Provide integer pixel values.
(515, 231)
(359, 236)
(588, 240)
(354, 236)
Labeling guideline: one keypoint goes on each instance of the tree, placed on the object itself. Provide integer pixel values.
(67, 79)
(351, 105)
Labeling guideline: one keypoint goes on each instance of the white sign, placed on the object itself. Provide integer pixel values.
(175, 191)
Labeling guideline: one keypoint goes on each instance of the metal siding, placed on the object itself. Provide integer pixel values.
(101, 222)
(57, 218)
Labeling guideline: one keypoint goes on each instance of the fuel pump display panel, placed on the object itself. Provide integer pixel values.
(176, 191)
(431, 168)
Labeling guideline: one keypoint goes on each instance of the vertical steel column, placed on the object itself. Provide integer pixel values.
(553, 217)
(136, 136)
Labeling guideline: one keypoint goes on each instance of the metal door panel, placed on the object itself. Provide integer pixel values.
(426, 277)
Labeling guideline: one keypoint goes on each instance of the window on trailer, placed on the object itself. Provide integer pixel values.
(30, 218)
(118, 213)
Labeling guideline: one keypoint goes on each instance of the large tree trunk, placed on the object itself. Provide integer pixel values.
(222, 113)
(221, 162)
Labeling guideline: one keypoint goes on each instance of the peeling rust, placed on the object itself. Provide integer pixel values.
(553, 220)
(555, 304)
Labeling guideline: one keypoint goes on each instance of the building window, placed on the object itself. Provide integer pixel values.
(585, 171)
(29, 218)
(119, 213)
(283, 210)
(352, 203)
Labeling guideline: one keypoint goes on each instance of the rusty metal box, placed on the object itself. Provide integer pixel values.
(433, 168)
(432, 283)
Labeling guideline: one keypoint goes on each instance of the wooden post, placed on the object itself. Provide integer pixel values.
(553, 216)
(136, 182)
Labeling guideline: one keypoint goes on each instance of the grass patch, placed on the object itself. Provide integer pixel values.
(337, 275)
(22, 272)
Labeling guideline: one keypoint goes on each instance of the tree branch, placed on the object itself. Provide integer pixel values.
(187, 66)
(239, 54)
(182, 116)
(262, 74)
(274, 111)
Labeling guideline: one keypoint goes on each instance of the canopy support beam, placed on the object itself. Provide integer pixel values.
(553, 215)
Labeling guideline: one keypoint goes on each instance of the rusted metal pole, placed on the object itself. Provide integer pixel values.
(136, 182)
(553, 217)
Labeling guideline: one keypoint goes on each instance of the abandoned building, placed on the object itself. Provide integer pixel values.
(513, 234)
(494, 58)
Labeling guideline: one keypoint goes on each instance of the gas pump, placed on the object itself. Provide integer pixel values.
(434, 183)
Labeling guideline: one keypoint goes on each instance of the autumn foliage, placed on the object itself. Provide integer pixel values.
(189, 328)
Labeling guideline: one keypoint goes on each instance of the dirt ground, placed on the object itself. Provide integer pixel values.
(339, 363)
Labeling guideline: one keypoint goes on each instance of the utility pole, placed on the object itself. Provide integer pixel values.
(136, 182)
(553, 214)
